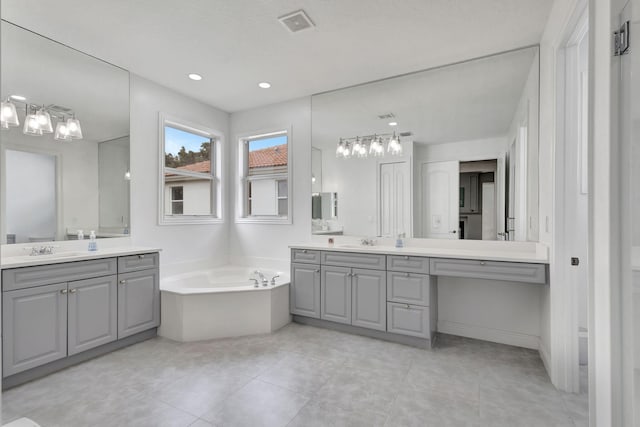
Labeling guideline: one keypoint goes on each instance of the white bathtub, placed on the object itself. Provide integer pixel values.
(222, 302)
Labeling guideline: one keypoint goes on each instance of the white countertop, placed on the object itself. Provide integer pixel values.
(71, 256)
(496, 253)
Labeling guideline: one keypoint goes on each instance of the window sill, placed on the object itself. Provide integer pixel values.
(264, 220)
(190, 221)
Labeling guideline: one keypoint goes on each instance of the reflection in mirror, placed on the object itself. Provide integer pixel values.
(64, 141)
(446, 153)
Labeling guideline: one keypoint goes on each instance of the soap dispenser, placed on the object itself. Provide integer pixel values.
(93, 245)
(400, 240)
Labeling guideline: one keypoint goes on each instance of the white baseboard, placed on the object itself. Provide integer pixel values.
(488, 334)
(545, 356)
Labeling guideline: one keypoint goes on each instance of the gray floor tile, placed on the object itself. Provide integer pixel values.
(302, 376)
(258, 404)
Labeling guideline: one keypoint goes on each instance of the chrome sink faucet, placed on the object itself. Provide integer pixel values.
(42, 250)
(367, 242)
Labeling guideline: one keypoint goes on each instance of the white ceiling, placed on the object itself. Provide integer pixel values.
(235, 44)
(467, 101)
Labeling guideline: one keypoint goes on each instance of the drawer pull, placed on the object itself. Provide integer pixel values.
(408, 306)
(141, 256)
(318, 271)
(407, 275)
(73, 291)
(482, 263)
(63, 291)
(304, 251)
(406, 257)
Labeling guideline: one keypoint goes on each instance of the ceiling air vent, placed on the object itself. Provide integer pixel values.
(59, 109)
(386, 116)
(405, 134)
(296, 21)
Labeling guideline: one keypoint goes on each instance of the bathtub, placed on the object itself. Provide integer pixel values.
(222, 302)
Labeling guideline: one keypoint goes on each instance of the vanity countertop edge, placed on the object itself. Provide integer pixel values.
(473, 254)
(30, 261)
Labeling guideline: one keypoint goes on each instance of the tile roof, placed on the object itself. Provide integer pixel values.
(269, 157)
(264, 158)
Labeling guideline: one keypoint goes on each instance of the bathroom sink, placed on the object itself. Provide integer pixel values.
(45, 256)
(353, 246)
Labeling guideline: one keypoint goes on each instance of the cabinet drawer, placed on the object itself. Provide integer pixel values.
(408, 288)
(306, 256)
(411, 264)
(406, 319)
(346, 259)
(127, 264)
(492, 270)
(27, 277)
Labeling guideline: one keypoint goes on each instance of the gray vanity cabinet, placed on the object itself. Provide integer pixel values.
(369, 300)
(305, 290)
(92, 313)
(138, 302)
(37, 332)
(335, 294)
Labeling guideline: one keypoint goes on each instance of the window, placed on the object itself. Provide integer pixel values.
(265, 194)
(177, 200)
(190, 177)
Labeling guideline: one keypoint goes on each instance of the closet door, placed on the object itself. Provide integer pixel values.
(394, 199)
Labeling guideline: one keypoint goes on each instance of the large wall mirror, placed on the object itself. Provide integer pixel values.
(446, 153)
(64, 141)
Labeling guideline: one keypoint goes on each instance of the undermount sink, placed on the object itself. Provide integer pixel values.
(353, 246)
(46, 256)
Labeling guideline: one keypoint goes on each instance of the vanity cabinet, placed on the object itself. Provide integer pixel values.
(92, 313)
(34, 326)
(304, 290)
(138, 302)
(53, 312)
(335, 294)
(369, 299)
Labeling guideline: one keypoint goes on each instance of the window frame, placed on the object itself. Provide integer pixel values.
(243, 178)
(217, 187)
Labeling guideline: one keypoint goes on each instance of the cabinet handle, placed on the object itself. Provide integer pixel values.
(406, 257)
(63, 291)
(141, 256)
(408, 306)
(123, 282)
(318, 271)
(354, 275)
(482, 263)
(406, 275)
(73, 291)
(304, 251)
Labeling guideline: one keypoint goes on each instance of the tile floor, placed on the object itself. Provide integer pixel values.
(301, 376)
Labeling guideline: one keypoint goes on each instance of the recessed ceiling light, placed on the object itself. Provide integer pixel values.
(194, 76)
(393, 123)
(264, 85)
(18, 97)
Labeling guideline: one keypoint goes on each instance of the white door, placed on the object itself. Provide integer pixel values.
(440, 200)
(517, 219)
(395, 199)
(489, 226)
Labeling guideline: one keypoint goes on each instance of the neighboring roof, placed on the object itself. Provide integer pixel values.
(269, 157)
(203, 167)
(264, 158)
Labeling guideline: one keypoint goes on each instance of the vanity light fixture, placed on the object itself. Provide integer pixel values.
(369, 145)
(62, 132)
(194, 76)
(44, 120)
(8, 115)
(264, 85)
(73, 126)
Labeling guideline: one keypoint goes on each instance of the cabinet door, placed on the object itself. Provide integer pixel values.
(409, 319)
(336, 294)
(34, 326)
(93, 313)
(305, 290)
(369, 299)
(138, 302)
